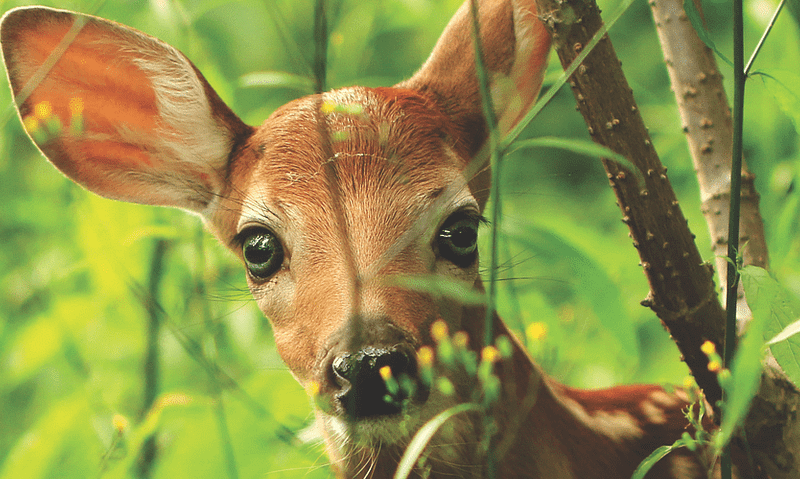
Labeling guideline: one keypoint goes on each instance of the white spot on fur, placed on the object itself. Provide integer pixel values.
(310, 434)
(681, 395)
(666, 400)
(655, 406)
(616, 425)
(653, 412)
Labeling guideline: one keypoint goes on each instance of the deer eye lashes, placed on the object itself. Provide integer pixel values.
(457, 238)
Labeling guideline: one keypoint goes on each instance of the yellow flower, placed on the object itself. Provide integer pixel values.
(119, 422)
(43, 110)
(708, 348)
(714, 366)
(460, 339)
(312, 389)
(31, 123)
(490, 354)
(439, 330)
(425, 356)
(386, 372)
(536, 331)
(76, 106)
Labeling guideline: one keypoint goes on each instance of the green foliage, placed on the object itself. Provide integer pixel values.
(742, 383)
(72, 312)
(438, 288)
(781, 83)
(776, 311)
(697, 22)
(654, 457)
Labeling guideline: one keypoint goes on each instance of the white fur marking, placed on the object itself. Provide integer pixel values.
(653, 412)
(665, 400)
(190, 139)
(616, 425)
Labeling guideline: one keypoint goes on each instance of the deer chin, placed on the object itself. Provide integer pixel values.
(360, 447)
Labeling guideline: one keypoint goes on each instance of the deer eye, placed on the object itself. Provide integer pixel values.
(262, 252)
(457, 239)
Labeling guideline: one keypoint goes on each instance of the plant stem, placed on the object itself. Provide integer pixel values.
(226, 440)
(494, 195)
(494, 199)
(736, 187)
(152, 361)
(321, 45)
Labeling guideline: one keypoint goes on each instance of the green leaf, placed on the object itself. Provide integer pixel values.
(439, 287)
(794, 9)
(697, 22)
(787, 333)
(34, 346)
(581, 147)
(787, 97)
(778, 309)
(773, 309)
(272, 79)
(654, 457)
(37, 452)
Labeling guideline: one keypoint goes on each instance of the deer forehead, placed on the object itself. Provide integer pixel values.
(352, 169)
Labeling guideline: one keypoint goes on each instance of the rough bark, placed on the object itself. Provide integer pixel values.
(682, 291)
(706, 120)
(703, 105)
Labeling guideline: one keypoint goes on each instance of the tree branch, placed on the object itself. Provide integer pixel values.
(682, 291)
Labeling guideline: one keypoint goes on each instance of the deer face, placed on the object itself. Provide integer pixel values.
(331, 269)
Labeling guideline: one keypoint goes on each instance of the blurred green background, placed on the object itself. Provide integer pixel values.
(76, 267)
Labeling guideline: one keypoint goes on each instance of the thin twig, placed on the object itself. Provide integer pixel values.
(763, 38)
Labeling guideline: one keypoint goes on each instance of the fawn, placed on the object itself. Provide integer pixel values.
(331, 200)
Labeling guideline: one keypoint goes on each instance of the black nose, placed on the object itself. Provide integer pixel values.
(363, 391)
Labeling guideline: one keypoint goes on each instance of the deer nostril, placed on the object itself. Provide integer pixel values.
(363, 391)
(343, 369)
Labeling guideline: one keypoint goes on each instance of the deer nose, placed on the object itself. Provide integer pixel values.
(364, 391)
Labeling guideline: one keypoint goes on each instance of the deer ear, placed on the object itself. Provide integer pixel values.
(515, 47)
(119, 112)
